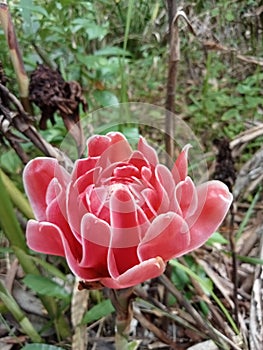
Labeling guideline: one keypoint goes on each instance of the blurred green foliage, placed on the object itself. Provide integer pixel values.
(216, 92)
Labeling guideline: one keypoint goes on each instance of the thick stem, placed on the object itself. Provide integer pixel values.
(122, 301)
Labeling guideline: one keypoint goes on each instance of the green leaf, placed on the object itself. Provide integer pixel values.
(179, 278)
(53, 270)
(216, 238)
(111, 51)
(134, 345)
(210, 105)
(9, 222)
(250, 260)
(243, 89)
(92, 62)
(215, 12)
(44, 286)
(230, 16)
(41, 347)
(10, 162)
(105, 98)
(96, 32)
(18, 314)
(93, 30)
(230, 114)
(28, 8)
(253, 102)
(98, 311)
(131, 133)
(16, 196)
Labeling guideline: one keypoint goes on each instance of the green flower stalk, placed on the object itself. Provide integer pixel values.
(122, 301)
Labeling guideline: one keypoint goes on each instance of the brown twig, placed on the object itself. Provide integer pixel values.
(20, 120)
(214, 46)
(155, 330)
(205, 327)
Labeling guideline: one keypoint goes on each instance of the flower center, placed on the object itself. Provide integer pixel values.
(113, 187)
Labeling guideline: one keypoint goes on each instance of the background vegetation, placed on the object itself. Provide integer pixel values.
(118, 52)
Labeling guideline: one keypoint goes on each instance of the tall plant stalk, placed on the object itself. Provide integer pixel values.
(15, 54)
(171, 80)
(124, 95)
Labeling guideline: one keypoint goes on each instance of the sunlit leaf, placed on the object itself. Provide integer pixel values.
(98, 311)
(216, 238)
(44, 286)
(111, 51)
(41, 347)
(105, 98)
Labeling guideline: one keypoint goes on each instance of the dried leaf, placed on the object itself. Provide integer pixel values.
(79, 303)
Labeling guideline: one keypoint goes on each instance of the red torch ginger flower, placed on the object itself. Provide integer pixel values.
(120, 216)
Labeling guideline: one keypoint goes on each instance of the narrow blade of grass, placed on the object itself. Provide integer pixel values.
(204, 286)
(248, 215)
(18, 314)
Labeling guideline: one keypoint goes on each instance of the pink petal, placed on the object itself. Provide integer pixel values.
(214, 201)
(116, 137)
(146, 174)
(148, 152)
(180, 168)
(82, 166)
(44, 237)
(96, 200)
(37, 175)
(76, 203)
(97, 144)
(125, 172)
(76, 209)
(138, 160)
(155, 195)
(136, 274)
(163, 200)
(164, 177)
(150, 199)
(167, 237)
(118, 150)
(121, 260)
(186, 197)
(125, 217)
(105, 175)
(95, 235)
(89, 178)
(53, 190)
(47, 238)
(174, 204)
(127, 226)
(56, 215)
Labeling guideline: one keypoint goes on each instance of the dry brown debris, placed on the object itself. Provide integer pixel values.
(51, 93)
